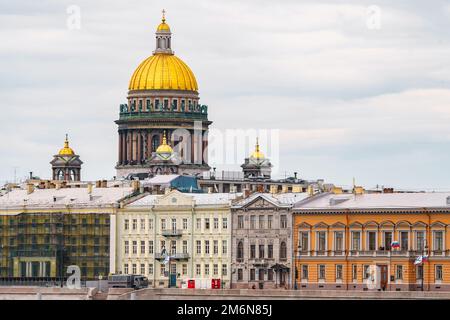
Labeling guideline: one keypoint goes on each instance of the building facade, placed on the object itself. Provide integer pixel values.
(262, 241)
(366, 241)
(43, 231)
(192, 230)
(162, 98)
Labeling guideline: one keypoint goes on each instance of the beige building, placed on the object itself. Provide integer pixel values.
(193, 229)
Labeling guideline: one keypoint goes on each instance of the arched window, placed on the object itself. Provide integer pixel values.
(60, 175)
(155, 143)
(240, 251)
(72, 175)
(283, 251)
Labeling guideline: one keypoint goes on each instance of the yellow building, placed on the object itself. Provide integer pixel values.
(343, 241)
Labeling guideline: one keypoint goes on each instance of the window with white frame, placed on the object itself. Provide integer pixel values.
(420, 240)
(224, 223)
(224, 246)
(438, 272)
(198, 223)
(150, 268)
(269, 221)
(150, 224)
(338, 240)
(283, 221)
(150, 247)
(224, 269)
(206, 246)
(134, 247)
(339, 272)
(126, 247)
(206, 268)
(419, 272)
(184, 269)
(321, 240)
(304, 274)
(303, 241)
(134, 268)
(321, 272)
(216, 223)
(261, 222)
(134, 224)
(399, 272)
(356, 240)
(215, 269)
(125, 268)
(142, 248)
(163, 224)
(438, 240)
(142, 224)
(162, 270)
(216, 247)
(198, 269)
(126, 224)
(371, 240)
(240, 222)
(142, 268)
(354, 272)
(404, 240)
(206, 223)
(185, 246)
(252, 222)
(174, 224)
(199, 246)
(366, 271)
(185, 224)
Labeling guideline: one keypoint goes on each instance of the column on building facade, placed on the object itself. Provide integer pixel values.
(138, 147)
(120, 148)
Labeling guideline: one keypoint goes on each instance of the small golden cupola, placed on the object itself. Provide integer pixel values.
(257, 154)
(164, 148)
(66, 151)
(163, 26)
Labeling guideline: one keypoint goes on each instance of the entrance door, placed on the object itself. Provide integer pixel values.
(383, 276)
(173, 280)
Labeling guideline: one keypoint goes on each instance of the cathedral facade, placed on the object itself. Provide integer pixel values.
(163, 100)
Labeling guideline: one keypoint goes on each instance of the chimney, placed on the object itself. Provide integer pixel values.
(135, 184)
(30, 188)
(31, 175)
(89, 188)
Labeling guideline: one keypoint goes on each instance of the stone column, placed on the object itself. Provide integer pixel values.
(120, 148)
(138, 147)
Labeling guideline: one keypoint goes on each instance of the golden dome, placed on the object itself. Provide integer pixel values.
(164, 147)
(163, 71)
(257, 154)
(66, 151)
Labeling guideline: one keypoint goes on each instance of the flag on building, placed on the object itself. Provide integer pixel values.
(419, 260)
(395, 244)
(167, 259)
(424, 259)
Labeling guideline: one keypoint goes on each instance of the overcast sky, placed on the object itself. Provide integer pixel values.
(352, 95)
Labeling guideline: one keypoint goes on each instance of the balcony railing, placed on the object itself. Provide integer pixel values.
(172, 233)
(175, 256)
(371, 253)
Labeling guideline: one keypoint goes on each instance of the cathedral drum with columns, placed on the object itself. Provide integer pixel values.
(163, 102)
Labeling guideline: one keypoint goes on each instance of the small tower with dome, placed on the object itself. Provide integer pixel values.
(66, 165)
(257, 166)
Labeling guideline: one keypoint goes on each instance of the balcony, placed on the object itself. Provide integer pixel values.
(172, 233)
(176, 256)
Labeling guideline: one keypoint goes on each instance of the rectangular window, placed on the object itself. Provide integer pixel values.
(438, 243)
(216, 247)
(339, 272)
(162, 270)
(198, 223)
(283, 221)
(399, 272)
(125, 268)
(150, 247)
(371, 240)
(185, 224)
(354, 272)
(224, 246)
(240, 275)
(261, 251)
(252, 274)
(240, 222)
(261, 274)
(206, 246)
(142, 248)
(216, 223)
(387, 239)
(163, 224)
(366, 271)
(207, 269)
(303, 241)
(206, 223)
(134, 247)
(270, 251)
(419, 272)
(174, 224)
(404, 246)
(173, 247)
(134, 224)
(356, 240)
(269, 221)
(304, 274)
(134, 268)
(184, 269)
(175, 104)
(173, 268)
(438, 272)
(150, 268)
(142, 268)
(150, 224)
(142, 224)
(338, 240)
(185, 246)
(163, 245)
(126, 247)
(270, 275)
(261, 222)
(321, 272)
(198, 269)
(224, 270)
(224, 223)
(215, 269)
(252, 251)
(126, 224)
(252, 222)
(199, 246)
(321, 240)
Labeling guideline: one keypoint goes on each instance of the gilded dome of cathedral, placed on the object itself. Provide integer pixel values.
(163, 70)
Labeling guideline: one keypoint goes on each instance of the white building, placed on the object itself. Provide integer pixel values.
(194, 230)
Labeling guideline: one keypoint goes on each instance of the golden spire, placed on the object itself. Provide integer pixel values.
(257, 154)
(163, 26)
(164, 147)
(66, 151)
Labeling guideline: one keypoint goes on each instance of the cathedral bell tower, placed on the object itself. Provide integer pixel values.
(163, 100)
(66, 165)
